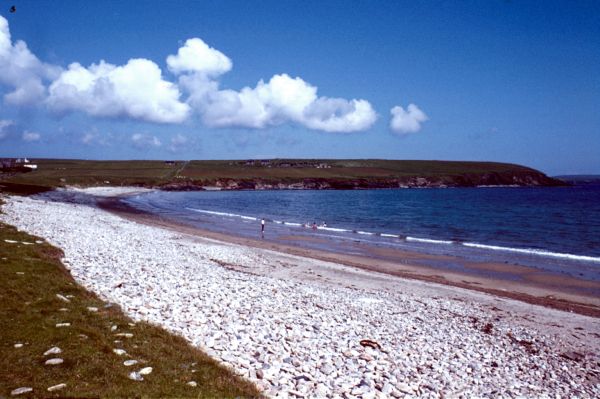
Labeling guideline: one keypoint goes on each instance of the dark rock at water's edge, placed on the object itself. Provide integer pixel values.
(521, 178)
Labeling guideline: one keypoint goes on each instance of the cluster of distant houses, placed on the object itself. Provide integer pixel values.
(16, 163)
(286, 164)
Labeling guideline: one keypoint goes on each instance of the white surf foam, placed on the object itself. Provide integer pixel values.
(532, 251)
(428, 240)
(233, 215)
(526, 251)
(334, 229)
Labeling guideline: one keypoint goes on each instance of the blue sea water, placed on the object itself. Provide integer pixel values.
(553, 229)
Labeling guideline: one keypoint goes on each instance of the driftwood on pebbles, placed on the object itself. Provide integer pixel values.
(306, 338)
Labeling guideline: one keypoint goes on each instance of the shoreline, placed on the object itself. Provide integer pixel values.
(301, 327)
(544, 289)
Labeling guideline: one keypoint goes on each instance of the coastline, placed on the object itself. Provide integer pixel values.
(535, 287)
(301, 327)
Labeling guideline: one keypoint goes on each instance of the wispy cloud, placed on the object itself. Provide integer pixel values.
(178, 143)
(145, 141)
(93, 137)
(88, 138)
(30, 136)
(5, 125)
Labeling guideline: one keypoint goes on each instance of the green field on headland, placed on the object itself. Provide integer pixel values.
(277, 174)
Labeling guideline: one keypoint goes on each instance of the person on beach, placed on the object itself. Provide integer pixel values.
(314, 225)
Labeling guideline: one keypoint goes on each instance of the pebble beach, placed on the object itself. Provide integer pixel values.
(302, 327)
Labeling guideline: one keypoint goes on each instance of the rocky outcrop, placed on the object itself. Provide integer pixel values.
(507, 179)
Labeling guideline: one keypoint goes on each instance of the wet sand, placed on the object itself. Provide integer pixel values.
(521, 283)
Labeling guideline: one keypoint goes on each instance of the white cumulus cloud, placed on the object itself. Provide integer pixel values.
(407, 121)
(197, 56)
(135, 90)
(282, 99)
(21, 70)
(145, 141)
(339, 115)
(30, 136)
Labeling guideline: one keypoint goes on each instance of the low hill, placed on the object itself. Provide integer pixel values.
(280, 174)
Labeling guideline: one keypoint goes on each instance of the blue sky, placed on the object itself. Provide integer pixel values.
(511, 81)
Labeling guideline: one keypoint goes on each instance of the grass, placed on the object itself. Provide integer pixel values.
(56, 173)
(31, 276)
(53, 173)
(342, 169)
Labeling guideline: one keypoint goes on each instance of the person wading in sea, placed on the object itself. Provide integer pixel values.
(262, 228)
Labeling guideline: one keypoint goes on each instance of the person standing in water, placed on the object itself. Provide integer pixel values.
(262, 227)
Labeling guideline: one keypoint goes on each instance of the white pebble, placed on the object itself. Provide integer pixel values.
(126, 335)
(130, 362)
(54, 362)
(57, 387)
(92, 309)
(63, 298)
(55, 350)
(19, 345)
(145, 371)
(20, 391)
(59, 325)
(192, 383)
(119, 352)
(134, 375)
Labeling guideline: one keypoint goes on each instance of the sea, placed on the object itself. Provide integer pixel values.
(553, 229)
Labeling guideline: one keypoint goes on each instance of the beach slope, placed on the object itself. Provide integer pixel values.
(342, 331)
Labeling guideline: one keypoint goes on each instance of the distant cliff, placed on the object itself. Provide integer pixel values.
(278, 174)
(354, 174)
